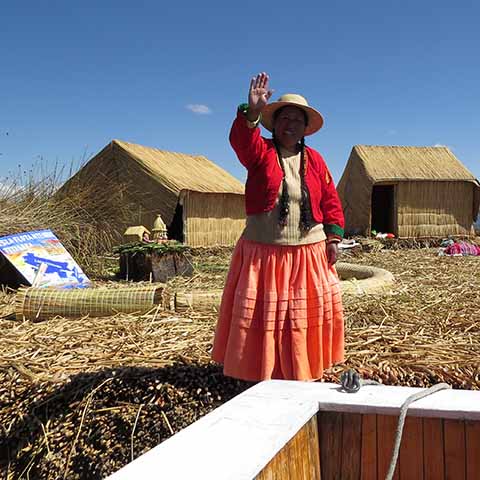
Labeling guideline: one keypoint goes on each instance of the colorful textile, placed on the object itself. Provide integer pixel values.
(281, 314)
(462, 248)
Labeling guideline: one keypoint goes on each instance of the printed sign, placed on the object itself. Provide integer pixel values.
(42, 259)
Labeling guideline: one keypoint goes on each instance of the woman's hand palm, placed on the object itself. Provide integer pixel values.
(259, 92)
(258, 97)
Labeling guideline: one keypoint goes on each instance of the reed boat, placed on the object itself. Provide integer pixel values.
(301, 430)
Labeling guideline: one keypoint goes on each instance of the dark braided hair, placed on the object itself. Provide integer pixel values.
(285, 197)
(306, 220)
(305, 209)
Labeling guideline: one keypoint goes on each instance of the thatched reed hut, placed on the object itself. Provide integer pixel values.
(200, 202)
(408, 191)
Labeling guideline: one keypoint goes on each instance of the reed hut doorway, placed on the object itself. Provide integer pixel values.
(175, 229)
(383, 209)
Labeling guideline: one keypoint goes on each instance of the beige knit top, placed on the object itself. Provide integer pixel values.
(265, 228)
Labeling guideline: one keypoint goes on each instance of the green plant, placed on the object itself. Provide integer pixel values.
(146, 247)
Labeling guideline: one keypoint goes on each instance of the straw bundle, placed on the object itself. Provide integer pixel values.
(363, 279)
(44, 303)
(198, 301)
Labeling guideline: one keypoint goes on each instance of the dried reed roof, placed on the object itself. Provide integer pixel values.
(179, 171)
(150, 179)
(386, 163)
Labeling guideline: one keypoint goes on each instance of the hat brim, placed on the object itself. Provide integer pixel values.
(315, 119)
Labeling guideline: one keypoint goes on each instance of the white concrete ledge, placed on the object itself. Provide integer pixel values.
(238, 439)
(381, 399)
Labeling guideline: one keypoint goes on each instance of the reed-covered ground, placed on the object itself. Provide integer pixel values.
(79, 398)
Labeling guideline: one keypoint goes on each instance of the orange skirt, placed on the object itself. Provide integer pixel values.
(281, 314)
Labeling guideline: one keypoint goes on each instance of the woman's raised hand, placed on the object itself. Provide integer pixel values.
(259, 92)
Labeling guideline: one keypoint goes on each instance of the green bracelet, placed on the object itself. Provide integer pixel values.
(243, 108)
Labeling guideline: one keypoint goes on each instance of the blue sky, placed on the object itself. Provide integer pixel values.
(75, 75)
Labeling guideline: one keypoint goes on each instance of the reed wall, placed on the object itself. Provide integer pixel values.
(212, 218)
(434, 209)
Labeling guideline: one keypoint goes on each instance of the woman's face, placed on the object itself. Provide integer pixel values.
(289, 126)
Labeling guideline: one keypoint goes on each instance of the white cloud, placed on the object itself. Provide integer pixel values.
(440, 145)
(392, 132)
(199, 108)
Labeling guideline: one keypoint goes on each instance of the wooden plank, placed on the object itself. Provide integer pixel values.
(411, 450)
(369, 448)
(472, 437)
(386, 427)
(330, 425)
(351, 446)
(313, 450)
(298, 459)
(291, 459)
(454, 438)
(433, 449)
(297, 456)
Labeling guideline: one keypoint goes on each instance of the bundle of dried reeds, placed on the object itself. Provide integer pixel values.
(45, 303)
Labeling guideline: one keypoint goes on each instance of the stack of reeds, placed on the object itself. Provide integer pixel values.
(45, 303)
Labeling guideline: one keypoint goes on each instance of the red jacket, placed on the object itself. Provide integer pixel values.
(265, 175)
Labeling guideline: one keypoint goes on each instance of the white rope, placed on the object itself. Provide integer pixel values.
(401, 421)
(352, 382)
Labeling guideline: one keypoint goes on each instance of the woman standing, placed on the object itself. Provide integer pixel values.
(281, 314)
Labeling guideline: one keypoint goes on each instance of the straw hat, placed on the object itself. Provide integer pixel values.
(315, 119)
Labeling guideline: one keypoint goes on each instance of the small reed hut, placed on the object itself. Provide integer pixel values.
(200, 203)
(411, 192)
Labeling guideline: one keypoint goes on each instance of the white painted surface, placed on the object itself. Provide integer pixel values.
(237, 440)
(387, 400)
